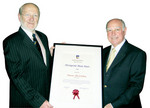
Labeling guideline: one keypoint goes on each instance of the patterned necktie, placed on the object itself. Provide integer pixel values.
(35, 42)
(111, 58)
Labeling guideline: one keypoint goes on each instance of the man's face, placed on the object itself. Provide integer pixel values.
(115, 32)
(29, 17)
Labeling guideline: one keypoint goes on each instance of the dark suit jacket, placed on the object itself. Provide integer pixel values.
(29, 76)
(124, 79)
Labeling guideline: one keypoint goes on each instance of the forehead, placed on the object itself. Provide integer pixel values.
(30, 8)
(115, 23)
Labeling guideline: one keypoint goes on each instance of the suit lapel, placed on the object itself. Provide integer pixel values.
(28, 42)
(121, 54)
(45, 46)
(106, 54)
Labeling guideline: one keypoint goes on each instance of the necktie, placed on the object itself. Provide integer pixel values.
(111, 58)
(35, 42)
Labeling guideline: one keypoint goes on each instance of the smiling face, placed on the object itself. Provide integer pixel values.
(115, 32)
(29, 17)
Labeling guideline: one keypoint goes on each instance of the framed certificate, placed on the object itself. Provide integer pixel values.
(76, 76)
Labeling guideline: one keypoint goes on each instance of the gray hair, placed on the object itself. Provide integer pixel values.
(123, 23)
(21, 8)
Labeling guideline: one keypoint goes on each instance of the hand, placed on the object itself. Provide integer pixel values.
(108, 106)
(46, 104)
(51, 50)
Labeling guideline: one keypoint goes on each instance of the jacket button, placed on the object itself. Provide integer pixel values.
(105, 86)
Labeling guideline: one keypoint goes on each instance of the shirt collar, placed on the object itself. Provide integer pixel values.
(28, 33)
(118, 47)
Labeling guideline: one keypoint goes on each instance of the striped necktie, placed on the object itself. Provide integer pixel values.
(35, 42)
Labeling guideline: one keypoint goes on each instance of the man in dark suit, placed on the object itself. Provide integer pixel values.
(28, 62)
(124, 69)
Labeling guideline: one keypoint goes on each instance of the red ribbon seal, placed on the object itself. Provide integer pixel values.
(75, 93)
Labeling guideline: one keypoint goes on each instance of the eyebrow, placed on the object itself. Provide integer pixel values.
(113, 27)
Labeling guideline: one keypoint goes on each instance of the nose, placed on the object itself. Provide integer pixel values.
(31, 18)
(113, 32)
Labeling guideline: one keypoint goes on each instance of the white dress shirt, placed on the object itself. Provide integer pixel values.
(118, 47)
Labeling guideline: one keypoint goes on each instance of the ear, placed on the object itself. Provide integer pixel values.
(19, 17)
(125, 30)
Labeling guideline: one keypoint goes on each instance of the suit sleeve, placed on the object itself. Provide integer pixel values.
(15, 72)
(136, 80)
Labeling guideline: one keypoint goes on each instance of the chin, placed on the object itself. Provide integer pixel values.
(29, 29)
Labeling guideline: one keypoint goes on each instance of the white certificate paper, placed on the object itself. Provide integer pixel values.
(76, 76)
